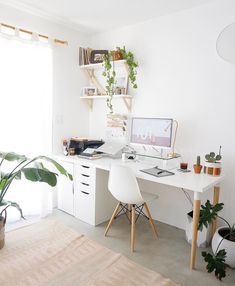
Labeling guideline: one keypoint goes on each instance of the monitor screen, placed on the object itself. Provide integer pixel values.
(152, 131)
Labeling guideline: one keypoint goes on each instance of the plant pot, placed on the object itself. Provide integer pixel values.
(204, 236)
(197, 168)
(116, 56)
(227, 245)
(213, 169)
(2, 231)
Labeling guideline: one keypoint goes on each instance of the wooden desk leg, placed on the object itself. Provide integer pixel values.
(132, 228)
(215, 201)
(196, 211)
(129, 213)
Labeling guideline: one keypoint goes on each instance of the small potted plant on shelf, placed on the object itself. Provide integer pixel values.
(110, 74)
(213, 164)
(32, 170)
(223, 242)
(198, 167)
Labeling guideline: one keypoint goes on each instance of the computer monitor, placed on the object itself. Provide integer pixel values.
(152, 131)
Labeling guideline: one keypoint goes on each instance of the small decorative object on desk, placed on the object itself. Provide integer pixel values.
(213, 164)
(65, 147)
(198, 167)
(183, 166)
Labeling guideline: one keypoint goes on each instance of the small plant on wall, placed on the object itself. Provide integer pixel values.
(110, 74)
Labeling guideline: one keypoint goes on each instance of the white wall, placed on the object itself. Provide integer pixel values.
(70, 114)
(180, 75)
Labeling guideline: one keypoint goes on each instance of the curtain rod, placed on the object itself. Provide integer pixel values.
(56, 41)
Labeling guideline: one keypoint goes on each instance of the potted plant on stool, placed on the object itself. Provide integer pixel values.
(32, 170)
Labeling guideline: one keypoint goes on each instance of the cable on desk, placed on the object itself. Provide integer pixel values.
(187, 196)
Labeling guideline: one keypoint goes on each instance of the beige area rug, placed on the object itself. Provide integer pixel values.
(49, 253)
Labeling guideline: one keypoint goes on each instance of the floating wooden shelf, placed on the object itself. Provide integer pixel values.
(100, 65)
(90, 72)
(126, 98)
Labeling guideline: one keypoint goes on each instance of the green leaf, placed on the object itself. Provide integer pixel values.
(60, 168)
(40, 175)
(12, 204)
(216, 263)
(208, 213)
(11, 156)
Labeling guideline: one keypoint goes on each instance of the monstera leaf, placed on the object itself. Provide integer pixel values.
(208, 213)
(216, 263)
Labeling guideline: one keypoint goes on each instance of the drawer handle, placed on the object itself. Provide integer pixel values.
(85, 193)
(85, 184)
(84, 166)
(84, 175)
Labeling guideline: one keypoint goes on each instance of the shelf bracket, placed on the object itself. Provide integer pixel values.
(90, 104)
(128, 103)
(93, 78)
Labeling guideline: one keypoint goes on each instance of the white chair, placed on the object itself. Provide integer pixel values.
(124, 187)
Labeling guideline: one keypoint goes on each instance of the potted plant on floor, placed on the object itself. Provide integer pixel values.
(32, 170)
(223, 242)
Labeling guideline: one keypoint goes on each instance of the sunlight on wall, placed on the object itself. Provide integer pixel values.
(26, 111)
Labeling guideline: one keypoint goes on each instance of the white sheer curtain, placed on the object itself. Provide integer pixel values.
(26, 114)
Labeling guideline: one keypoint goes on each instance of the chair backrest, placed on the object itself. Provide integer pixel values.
(123, 185)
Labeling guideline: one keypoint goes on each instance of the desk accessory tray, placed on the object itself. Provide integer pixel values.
(157, 172)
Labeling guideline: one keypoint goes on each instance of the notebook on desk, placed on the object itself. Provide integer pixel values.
(157, 172)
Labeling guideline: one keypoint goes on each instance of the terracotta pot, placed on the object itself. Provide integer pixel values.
(116, 56)
(2, 231)
(197, 168)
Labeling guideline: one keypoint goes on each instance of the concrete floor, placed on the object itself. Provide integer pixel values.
(167, 255)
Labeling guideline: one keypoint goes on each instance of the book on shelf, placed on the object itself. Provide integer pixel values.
(84, 56)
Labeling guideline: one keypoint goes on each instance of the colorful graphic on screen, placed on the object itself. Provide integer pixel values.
(152, 131)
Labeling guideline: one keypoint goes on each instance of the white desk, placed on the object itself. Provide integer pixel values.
(197, 183)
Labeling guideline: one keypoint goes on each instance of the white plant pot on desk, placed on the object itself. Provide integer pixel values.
(227, 245)
(203, 237)
(213, 169)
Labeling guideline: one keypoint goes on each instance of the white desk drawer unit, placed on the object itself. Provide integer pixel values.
(84, 192)
(93, 203)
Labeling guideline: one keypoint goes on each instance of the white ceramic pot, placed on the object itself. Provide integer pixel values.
(228, 245)
(213, 169)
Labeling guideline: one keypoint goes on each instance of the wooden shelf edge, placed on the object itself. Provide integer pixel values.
(106, 96)
(99, 65)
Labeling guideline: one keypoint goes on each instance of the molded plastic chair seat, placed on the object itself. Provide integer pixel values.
(124, 187)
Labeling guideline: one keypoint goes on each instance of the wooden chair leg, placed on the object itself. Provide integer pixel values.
(132, 228)
(112, 218)
(151, 220)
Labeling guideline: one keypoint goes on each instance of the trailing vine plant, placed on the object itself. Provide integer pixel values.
(110, 73)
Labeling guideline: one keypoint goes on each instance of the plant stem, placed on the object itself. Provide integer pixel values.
(225, 222)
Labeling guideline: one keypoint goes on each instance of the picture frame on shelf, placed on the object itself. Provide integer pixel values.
(89, 91)
(97, 56)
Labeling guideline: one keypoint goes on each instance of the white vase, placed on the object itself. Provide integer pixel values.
(227, 245)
